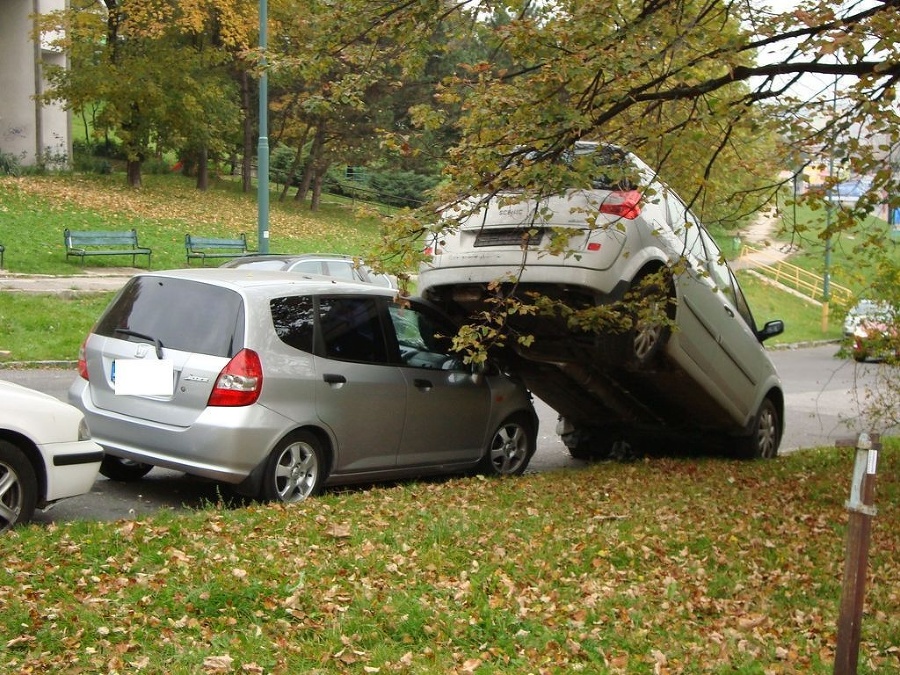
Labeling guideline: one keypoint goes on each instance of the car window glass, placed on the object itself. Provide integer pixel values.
(340, 270)
(717, 267)
(181, 314)
(425, 341)
(294, 321)
(308, 266)
(685, 227)
(351, 329)
(743, 307)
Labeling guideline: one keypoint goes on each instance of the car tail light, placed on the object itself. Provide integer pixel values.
(82, 361)
(625, 204)
(240, 382)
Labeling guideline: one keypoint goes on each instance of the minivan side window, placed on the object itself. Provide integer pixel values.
(295, 320)
(351, 329)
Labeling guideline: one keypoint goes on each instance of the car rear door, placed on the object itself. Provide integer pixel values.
(360, 393)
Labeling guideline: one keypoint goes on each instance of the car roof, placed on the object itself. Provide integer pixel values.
(249, 257)
(270, 283)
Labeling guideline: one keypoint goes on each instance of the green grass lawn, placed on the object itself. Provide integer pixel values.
(669, 565)
(37, 209)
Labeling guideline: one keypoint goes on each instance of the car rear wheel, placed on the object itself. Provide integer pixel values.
(652, 319)
(123, 470)
(295, 470)
(18, 487)
(765, 436)
(511, 448)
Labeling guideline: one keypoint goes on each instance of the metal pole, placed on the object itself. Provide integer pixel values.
(263, 147)
(862, 510)
(826, 276)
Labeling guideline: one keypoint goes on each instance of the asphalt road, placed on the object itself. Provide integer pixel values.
(824, 397)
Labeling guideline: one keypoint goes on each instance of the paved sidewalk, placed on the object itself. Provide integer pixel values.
(92, 281)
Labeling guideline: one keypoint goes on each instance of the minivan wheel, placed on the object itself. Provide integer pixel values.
(295, 470)
(512, 445)
(652, 326)
(123, 470)
(18, 487)
(765, 436)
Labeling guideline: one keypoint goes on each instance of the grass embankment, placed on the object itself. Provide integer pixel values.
(690, 565)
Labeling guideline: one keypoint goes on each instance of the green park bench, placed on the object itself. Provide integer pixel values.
(103, 242)
(214, 247)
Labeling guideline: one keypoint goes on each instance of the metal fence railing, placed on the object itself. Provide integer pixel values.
(808, 284)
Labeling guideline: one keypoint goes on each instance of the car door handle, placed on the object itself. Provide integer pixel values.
(331, 378)
(423, 384)
(729, 311)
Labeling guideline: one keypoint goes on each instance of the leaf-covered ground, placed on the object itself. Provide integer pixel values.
(36, 209)
(670, 565)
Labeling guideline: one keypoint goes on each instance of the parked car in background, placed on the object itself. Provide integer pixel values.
(678, 349)
(330, 264)
(46, 453)
(283, 383)
(872, 330)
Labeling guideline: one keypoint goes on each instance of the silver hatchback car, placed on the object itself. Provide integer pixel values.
(690, 361)
(283, 383)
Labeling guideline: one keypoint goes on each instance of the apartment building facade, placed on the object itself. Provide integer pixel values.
(30, 131)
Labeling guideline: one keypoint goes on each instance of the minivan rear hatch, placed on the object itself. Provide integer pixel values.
(199, 327)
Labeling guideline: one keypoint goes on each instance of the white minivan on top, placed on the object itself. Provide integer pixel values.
(688, 359)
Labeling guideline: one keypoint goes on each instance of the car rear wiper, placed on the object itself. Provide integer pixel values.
(149, 338)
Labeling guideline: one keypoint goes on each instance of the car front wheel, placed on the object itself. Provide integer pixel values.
(765, 435)
(511, 448)
(295, 470)
(18, 487)
(123, 470)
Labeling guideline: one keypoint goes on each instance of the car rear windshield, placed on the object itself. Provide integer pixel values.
(178, 313)
(609, 166)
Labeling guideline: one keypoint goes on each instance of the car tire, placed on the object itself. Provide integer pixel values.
(295, 470)
(123, 470)
(18, 487)
(649, 334)
(511, 448)
(765, 434)
(602, 445)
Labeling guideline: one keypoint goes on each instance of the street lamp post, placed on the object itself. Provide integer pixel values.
(263, 146)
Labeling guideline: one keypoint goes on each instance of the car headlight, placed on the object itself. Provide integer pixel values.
(84, 433)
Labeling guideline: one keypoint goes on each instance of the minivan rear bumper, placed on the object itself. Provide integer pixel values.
(223, 444)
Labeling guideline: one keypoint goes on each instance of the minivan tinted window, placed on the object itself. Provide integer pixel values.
(178, 314)
(295, 321)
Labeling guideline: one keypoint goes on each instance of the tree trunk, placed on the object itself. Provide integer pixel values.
(321, 171)
(203, 169)
(309, 169)
(133, 172)
(295, 164)
(247, 161)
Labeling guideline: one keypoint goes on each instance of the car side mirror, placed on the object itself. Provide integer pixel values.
(771, 329)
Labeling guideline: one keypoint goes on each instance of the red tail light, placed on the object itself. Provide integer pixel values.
(240, 382)
(82, 362)
(625, 204)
